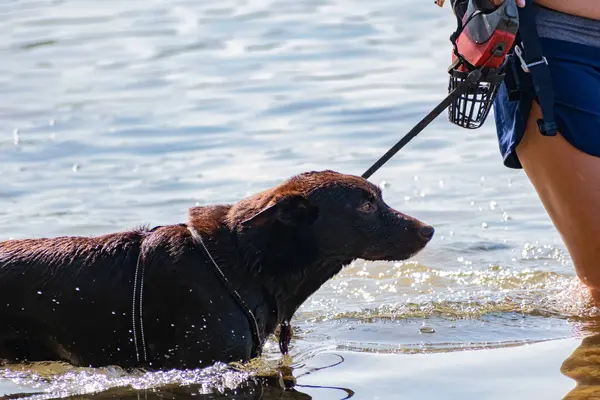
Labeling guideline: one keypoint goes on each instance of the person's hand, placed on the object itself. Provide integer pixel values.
(520, 3)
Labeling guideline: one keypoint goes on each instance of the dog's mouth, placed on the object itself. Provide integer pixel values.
(391, 255)
(388, 257)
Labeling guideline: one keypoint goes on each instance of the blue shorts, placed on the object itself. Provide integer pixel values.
(575, 71)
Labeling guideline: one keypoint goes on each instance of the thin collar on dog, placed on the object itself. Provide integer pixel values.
(249, 314)
(138, 288)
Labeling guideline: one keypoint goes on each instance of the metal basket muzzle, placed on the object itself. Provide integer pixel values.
(472, 107)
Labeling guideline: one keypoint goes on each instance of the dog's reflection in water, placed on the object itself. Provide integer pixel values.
(264, 388)
(281, 385)
(269, 388)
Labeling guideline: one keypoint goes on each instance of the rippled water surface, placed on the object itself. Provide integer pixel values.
(121, 113)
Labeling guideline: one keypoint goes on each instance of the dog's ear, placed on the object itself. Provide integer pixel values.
(291, 209)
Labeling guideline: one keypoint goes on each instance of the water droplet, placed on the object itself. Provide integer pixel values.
(484, 225)
(493, 205)
(75, 167)
(172, 324)
(441, 183)
(39, 292)
(51, 122)
(113, 313)
(77, 289)
(16, 138)
(235, 48)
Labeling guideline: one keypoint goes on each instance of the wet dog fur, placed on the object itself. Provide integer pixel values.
(70, 298)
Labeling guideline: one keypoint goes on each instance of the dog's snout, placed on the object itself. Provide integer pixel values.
(427, 232)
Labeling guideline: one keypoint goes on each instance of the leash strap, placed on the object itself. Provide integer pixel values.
(249, 314)
(472, 78)
(534, 62)
(138, 292)
(138, 282)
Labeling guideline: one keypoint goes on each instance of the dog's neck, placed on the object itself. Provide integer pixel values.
(279, 268)
(288, 264)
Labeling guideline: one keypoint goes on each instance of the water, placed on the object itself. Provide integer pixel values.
(116, 114)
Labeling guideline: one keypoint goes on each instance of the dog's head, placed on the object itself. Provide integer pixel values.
(341, 216)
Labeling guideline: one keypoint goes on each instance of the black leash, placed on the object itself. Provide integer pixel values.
(471, 79)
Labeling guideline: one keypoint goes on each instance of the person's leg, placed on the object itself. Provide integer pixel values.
(567, 181)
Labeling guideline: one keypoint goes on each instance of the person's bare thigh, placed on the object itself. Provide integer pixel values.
(567, 181)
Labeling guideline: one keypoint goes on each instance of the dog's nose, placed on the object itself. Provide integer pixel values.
(427, 232)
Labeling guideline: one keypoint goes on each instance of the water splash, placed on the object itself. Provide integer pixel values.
(55, 380)
(413, 290)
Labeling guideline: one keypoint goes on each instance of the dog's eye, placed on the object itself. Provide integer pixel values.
(367, 206)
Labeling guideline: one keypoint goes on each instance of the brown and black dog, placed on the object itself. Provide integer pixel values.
(156, 297)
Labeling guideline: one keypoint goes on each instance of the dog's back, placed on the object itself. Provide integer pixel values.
(73, 299)
(39, 276)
